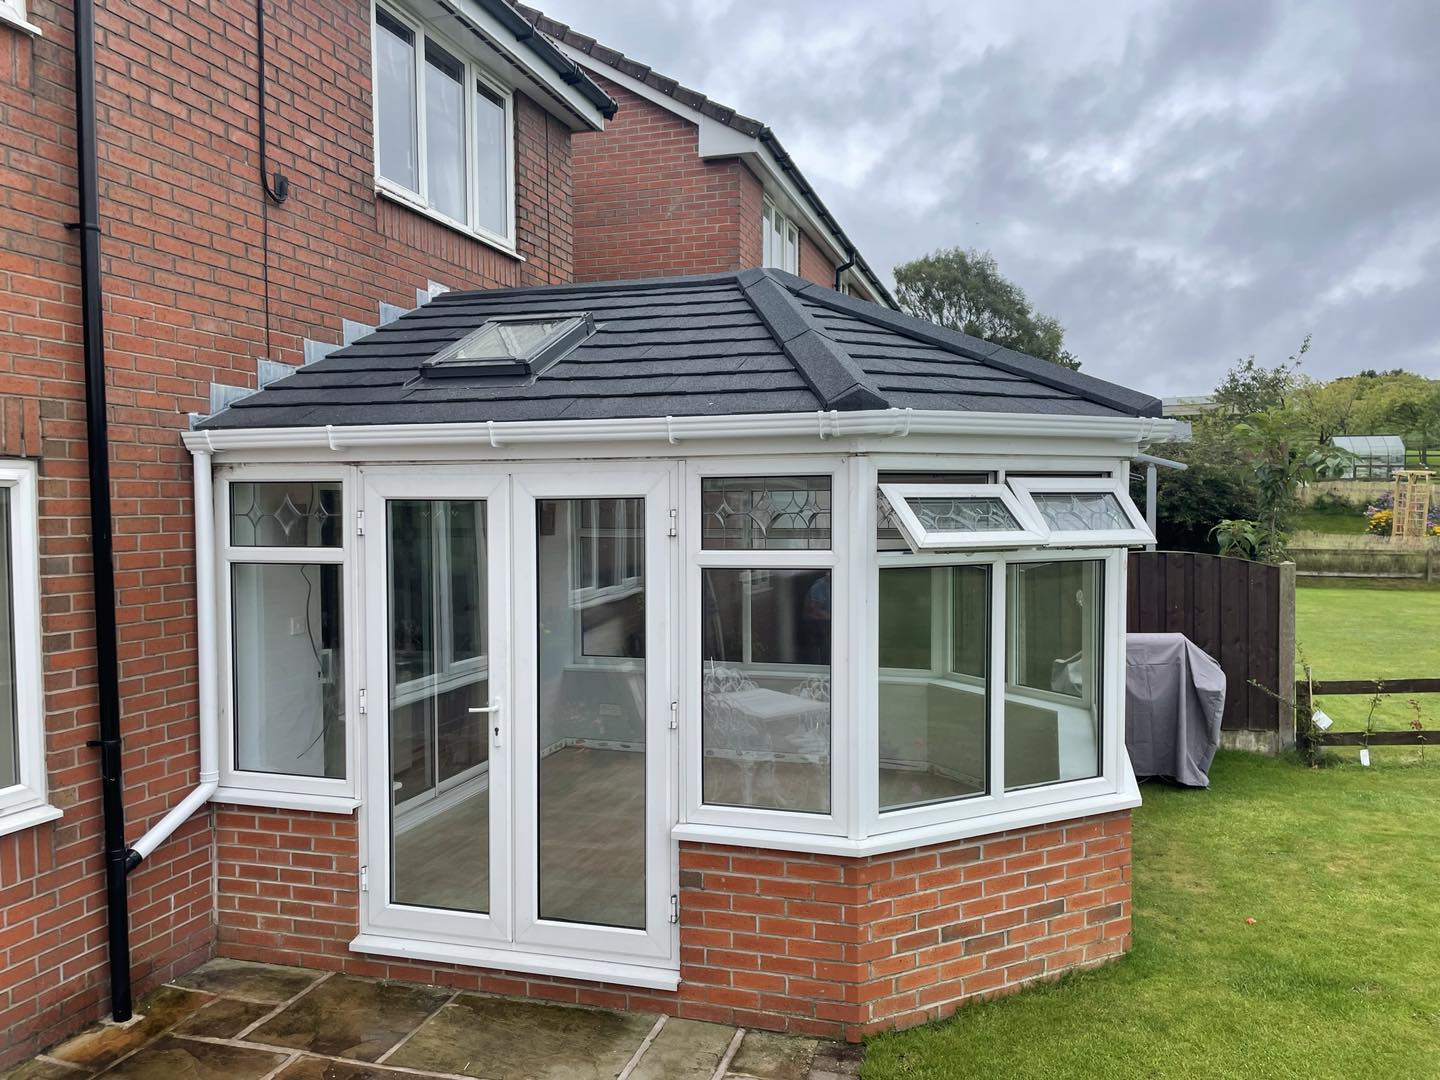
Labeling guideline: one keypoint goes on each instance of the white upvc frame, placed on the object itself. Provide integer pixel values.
(837, 561)
(24, 803)
(777, 230)
(475, 73)
(1031, 530)
(284, 790)
(1027, 487)
(12, 13)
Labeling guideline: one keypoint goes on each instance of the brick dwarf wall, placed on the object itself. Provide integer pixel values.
(184, 220)
(815, 944)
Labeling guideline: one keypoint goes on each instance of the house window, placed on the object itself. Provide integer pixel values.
(13, 13)
(766, 643)
(442, 128)
(780, 240)
(284, 553)
(22, 734)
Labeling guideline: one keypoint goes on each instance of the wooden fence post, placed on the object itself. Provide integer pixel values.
(1285, 598)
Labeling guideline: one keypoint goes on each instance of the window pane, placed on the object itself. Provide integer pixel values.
(1081, 511)
(445, 132)
(282, 514)
(395, 100)
(289, 675)
(765, 678)
(933, 719)
(765, 513)
(591, 767)
(887, 533)
(492, 181)
(9, 700)
(1052, 718)
(987, 514)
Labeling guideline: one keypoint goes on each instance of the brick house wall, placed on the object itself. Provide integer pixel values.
(814, 944)
(184, 218)
(648, 205)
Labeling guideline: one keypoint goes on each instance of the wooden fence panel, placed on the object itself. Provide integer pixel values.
(1237, 612)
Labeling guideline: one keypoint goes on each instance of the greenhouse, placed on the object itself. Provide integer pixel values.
(1376, 457)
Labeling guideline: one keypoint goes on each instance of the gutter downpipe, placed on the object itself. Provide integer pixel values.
(1151, 485)
(205, 669)
(846, 265)
(102, 547)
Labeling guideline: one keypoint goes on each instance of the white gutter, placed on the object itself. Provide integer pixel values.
(205, 667)
(823, 425)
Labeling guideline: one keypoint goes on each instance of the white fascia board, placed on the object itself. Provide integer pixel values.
(719, 140)
(582, 114)
(821, 426)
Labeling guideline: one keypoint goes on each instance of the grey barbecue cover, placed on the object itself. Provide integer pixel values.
(1174, 699)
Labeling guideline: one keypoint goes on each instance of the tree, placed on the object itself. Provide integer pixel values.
(1249, 388)
(965, 291)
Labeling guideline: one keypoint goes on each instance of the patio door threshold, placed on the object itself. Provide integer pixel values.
(527, 963)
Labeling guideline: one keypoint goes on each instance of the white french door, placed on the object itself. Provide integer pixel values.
(518, 681)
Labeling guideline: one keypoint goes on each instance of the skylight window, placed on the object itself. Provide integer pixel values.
(514, 345)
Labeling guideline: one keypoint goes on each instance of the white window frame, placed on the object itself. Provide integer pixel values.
(777, 231)
(418, 199)
(837, 561)
(12, 13)
(1031, 531)
(283, 790)
(1027, 487)
(24, 804)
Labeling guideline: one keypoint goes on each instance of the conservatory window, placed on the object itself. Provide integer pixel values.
(1078, 510)
(766, 641)
(284, 553)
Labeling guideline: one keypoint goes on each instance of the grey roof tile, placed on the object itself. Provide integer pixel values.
(752, 342)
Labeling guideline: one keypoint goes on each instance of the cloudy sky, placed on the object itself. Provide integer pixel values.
(1180, 182)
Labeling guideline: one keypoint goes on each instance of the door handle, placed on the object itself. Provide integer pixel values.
(492, 708)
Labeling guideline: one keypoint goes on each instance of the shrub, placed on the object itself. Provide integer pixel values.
(1190, 504)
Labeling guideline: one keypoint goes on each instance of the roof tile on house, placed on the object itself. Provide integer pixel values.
(757, 341)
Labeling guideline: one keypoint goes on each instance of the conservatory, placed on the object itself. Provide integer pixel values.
(642, 628)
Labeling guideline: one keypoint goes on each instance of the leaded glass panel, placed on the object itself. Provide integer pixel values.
(765, 513)
(285, 514)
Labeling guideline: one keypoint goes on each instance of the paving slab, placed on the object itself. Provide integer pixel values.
(254, 982)
(506, 1039)
(765, 1056)
(350, 1017)
(35, 1069)
(223, 1018)
(685, 1050)
(103, 1045)
(173, 1058)
(314, 1068)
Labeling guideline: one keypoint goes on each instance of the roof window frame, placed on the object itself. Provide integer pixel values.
(575, 327)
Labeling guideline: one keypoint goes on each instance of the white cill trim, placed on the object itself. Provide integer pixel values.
(285, 800)
(564, 967)
(826, 425)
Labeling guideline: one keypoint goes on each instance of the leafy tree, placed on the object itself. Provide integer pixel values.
(1249, 388)
(965, 291)
(1282, 457)
(1190, 503)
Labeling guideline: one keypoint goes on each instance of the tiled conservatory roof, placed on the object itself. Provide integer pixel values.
(757, 341)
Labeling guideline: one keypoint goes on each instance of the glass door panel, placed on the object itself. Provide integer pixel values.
(590, 559)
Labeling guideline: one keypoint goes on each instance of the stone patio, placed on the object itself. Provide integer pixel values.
(237, 1021)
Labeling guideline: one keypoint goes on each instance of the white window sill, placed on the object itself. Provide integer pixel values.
(23, 25)
(285, 800)
(527, 963)
(922, 836)
(13, 821)
(400, 197)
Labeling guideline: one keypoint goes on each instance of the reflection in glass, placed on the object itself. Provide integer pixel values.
(934, 696)
(445, 132)
(590, 562)
(289, 677)
(1053, 660)
(765, 679)
(395, 100)
(492, 160)
(761, 513)
(277, 513)
(9, 703)
(439, 670)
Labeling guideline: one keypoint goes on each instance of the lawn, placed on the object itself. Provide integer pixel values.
(1336, 977)
(1330, 520)
(1339, 866)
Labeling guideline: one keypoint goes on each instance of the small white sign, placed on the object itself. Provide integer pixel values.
(1320, 720)
(1365, 756)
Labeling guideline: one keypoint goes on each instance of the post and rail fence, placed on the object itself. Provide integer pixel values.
(1306, 691)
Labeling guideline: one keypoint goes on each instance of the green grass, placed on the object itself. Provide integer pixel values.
(1331, 519)
(1335, 979)
(1371, 633)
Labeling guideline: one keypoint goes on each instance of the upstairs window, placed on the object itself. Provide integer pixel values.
(780, 240)
(442, 129)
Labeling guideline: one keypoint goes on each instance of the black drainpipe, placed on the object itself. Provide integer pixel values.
(97, 445)
(846, 265)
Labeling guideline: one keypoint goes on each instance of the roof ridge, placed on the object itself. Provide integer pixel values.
(1044, 372)
(821, 361)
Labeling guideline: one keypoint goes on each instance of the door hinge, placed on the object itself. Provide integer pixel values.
(359, 522)
(364, 879)
(674, 715)
(362, 701)
(674, 522)
(674, 908)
